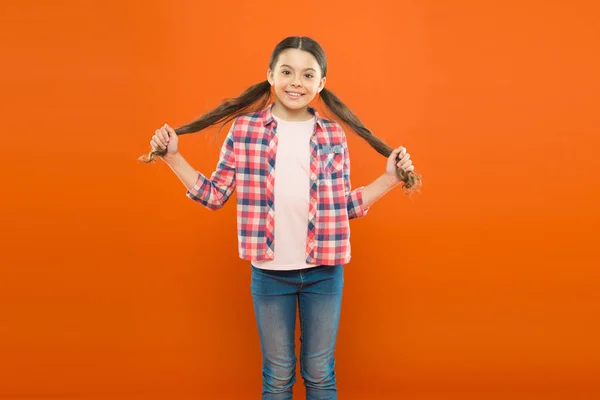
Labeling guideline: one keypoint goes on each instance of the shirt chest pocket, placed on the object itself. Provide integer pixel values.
(331, 159)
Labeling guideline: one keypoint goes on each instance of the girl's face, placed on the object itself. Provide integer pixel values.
(296, 78)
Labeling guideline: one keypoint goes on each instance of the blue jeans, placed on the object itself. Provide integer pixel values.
(318, 293)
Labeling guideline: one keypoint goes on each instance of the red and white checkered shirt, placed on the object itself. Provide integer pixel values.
(247, 162)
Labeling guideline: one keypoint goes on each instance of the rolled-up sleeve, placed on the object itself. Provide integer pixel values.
(354, 199)
(213, 193)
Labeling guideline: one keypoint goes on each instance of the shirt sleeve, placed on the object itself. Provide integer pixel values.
(213, 193)
(354, 199)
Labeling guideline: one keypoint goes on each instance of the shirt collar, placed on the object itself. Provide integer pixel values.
(267, 115)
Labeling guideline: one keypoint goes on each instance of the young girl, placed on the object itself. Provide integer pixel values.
(291, 168)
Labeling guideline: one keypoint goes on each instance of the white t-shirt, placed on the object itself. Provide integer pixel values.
(292, 187)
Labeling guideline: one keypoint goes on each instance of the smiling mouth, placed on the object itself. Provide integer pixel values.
(295, 95)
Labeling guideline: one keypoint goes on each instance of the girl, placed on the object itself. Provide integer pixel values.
(291, 168)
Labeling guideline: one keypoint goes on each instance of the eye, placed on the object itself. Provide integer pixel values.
(309, 75)
(285, 72)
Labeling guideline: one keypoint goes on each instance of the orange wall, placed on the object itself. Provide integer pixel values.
(114, 285)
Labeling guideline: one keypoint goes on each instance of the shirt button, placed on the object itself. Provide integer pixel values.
(313, 200)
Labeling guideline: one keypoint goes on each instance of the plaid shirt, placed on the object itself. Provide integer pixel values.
(247, 162)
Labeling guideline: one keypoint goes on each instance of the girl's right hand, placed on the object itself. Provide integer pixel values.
(165, 138)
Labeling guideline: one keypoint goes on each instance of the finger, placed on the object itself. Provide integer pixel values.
(402, 153)
(161, 137)
(158, 143)
(406, 164)
(163, 131)
(157, 137)
(164, 135)
(170, 131)
(404, 159)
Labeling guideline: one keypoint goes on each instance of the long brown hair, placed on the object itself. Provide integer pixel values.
(258, 96)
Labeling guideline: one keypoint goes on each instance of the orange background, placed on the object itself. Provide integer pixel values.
(114, 285)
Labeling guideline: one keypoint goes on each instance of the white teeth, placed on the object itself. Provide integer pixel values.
(294, 94)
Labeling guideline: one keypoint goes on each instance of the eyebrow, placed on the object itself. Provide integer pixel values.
(306, 69)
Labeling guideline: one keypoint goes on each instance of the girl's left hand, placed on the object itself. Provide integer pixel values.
(405, 163)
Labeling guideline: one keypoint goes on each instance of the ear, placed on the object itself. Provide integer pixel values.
(322, 84)
(270, 76)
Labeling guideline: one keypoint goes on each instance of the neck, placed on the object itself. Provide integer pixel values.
(288, 114)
